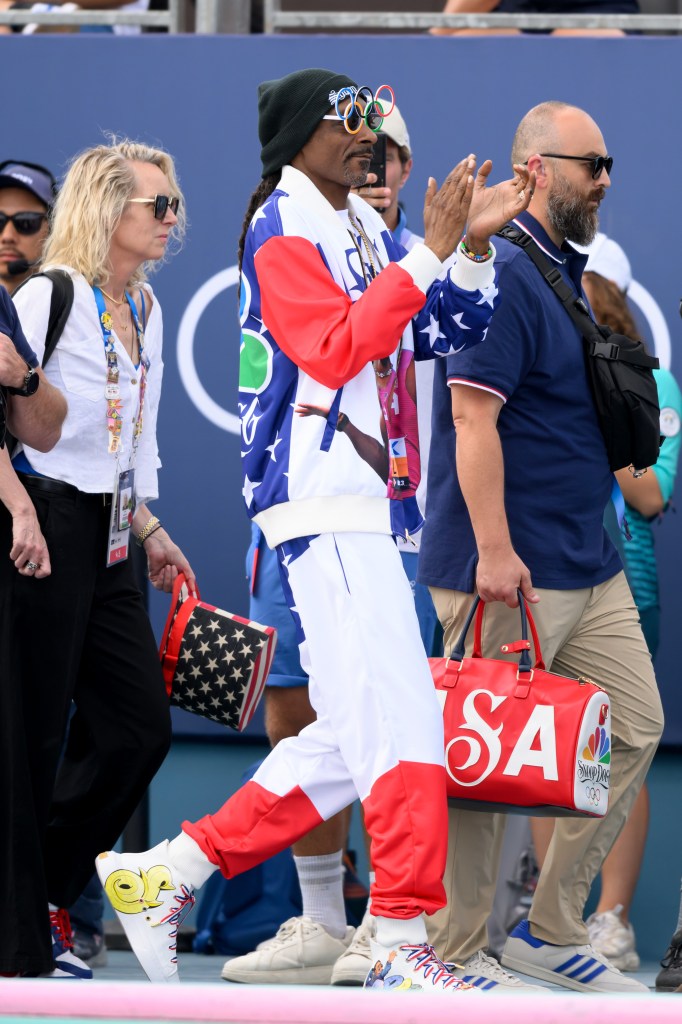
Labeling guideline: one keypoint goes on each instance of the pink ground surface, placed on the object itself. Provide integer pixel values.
(294, 1005)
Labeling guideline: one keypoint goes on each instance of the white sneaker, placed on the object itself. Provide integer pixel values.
(411, 968)
(581, 968)
(614, 939)
(151, 900)
(301, 953)
(353, 966)
(484, 972)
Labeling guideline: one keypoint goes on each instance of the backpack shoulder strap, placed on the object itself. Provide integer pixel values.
(60, 308)
(574, 304)
(595, 336)
(61, 302)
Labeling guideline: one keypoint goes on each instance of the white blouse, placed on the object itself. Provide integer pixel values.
(78, 368)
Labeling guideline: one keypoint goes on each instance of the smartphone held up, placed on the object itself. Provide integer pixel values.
(378, 162)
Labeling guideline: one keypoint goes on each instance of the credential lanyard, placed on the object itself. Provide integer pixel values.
(112, 389)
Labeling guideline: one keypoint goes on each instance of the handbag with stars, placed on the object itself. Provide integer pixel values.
(215, 664)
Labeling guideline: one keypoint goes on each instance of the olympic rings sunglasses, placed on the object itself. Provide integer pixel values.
(354, 116)
(28, 223)
(161, 204)
(599, 163)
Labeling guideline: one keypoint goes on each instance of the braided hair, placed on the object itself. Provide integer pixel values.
(263, 191)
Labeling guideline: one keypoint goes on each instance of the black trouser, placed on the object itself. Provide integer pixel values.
(80, 635)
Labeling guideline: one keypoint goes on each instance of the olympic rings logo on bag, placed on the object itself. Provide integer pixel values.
(593, 794)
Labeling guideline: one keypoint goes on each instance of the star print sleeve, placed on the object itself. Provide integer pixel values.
(314, 321)
(510, 348)
(458, 310)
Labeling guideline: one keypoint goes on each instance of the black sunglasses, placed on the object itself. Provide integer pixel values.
(599, 163)
(161, 204)
(28, 223)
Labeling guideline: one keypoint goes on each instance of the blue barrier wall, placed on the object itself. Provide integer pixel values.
(197, 97)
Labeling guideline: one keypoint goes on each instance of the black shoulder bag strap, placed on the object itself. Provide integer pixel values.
(61, 302)
(619, 371)
(576, 307)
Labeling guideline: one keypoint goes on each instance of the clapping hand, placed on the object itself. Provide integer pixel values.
(446, 209)
(492, 206)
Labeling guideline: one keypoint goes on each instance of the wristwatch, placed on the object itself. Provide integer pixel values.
(30, 385)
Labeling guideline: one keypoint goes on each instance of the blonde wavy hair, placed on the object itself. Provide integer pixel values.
(91, 202)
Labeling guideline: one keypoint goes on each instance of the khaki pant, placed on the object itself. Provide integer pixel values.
(593, 632)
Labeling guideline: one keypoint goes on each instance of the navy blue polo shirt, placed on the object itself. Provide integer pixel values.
(9, 325)
(557, 477)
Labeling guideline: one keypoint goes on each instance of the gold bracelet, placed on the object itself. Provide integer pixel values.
(149, 527)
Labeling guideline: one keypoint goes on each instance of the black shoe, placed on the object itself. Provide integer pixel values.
(670, 977)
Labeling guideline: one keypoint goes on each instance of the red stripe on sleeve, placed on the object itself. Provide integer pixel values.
(315, 323)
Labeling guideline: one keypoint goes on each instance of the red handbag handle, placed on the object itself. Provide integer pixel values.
(179, 621)
(523, 606)
(477, 608)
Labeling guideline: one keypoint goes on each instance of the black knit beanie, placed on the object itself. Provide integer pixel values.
(289, 111)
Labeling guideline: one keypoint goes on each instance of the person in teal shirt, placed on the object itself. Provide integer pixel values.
(646, 501)
(606, 280)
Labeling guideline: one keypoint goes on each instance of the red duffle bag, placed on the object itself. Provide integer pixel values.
(214, 663)
(517, 737)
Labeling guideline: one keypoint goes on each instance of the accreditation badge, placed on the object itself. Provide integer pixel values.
(122, 512)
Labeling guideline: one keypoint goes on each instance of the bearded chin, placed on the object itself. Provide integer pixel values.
(356, 180)
(571, 217)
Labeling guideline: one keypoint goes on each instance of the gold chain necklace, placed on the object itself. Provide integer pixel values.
(123, 324)
(369, 248)
(117, 302)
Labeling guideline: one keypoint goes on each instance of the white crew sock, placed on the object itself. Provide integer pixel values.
(321, 881)
(398, 931)
(190, 860)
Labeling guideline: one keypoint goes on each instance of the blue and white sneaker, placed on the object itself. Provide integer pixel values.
(485, 973)
(581, 968)
(66, 963)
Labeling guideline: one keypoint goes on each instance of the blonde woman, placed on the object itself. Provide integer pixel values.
(81, 634)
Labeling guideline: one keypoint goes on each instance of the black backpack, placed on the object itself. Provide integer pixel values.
(619, 370)
(61, 302)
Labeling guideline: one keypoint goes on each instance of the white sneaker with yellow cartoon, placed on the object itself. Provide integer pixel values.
(151, 901)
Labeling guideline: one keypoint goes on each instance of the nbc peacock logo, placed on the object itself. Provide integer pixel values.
(598, 747)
